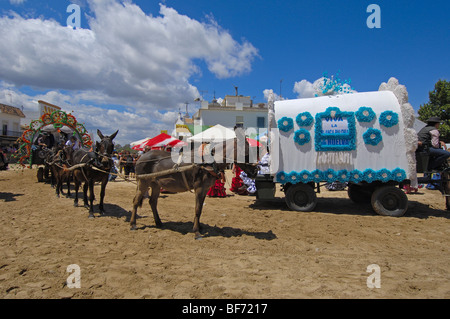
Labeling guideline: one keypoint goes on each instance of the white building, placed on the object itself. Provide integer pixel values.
(234, 111)
(10, 117)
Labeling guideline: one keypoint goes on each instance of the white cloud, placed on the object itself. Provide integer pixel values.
(127, 55)
(306, 89)
(16, 1)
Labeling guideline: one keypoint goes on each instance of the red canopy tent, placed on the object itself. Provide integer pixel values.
(162, 140)
(253, 143)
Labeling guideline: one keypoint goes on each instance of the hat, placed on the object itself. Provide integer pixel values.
(434, 119)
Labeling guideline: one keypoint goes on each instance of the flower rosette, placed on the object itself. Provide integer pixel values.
(317, 176)
(369, 175)
(285, 124)
(384, 175)
(398, 175)
(356, 176)
(293, 178)
(372, 137)
(302, 137)
(330, 175)
(304, 119)
(342, 176)
(365, 114)
(305, 177)
(388, 119)
(282, 177)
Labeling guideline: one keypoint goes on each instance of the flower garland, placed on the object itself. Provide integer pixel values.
(330, 175)
(347, 141)
(384, 175)
(317, 176)
(365, 114)
(372, 137)
(304, 119)
(302, 137)
(306, 177)
(285, 124)
(398, 175)
(343, 176)
(355, 176)
(389, 119)
(369, 175)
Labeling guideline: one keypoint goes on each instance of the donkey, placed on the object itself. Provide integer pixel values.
(59, 165)
(98, 165)
(200, 178)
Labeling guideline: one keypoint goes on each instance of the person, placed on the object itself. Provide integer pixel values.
(73, 143)
(237, 185)
(128, 163)
(264, 164)
(218, 189)
(113, 172)
(46, 140)
(429, 141)
(3, 161)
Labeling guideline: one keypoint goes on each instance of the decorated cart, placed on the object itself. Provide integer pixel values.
(365, 140)
(58, 125)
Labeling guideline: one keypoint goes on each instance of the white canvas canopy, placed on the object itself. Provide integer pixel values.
(217, 133)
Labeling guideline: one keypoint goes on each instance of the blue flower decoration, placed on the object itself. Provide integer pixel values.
(317, 176)
(282, 177)
(388, 119)
(293, 178)
(302, 137)
(343, 176)
(365, 114)
(384, 175)
(304, 119)
(369, 175)
(330, 175)
(285, 124)
(356, 176)
(398, 175)
(306, 177)
(372, 137)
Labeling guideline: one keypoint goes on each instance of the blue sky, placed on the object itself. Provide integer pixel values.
(133, 66)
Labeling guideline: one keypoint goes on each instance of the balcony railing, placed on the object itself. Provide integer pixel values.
(10, 133)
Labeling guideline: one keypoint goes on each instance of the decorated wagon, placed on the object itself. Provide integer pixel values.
(365, 140)
(58, 126)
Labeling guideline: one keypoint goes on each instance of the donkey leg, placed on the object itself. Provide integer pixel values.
(102, 196)
(85, 197)
(137, 201)
(68, 186)
(91, 199)
(200, 195)
(156, 190)
(76, 185)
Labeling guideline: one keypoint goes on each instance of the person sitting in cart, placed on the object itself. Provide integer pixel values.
(429, 141)
(73, 142)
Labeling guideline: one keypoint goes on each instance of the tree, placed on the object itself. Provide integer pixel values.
(439, 105)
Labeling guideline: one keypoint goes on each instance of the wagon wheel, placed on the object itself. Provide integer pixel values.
(301, 198)
(360, 194)
(389, 201)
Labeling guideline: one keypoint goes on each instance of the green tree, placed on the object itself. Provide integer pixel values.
(439, 105)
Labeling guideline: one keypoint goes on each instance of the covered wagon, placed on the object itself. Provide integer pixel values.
(363, 139)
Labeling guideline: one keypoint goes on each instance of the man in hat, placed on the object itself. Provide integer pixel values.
(429, 141)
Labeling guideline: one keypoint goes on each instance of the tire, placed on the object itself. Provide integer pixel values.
(360, 194)
(389, 201)
(40, 174)
(301, 198)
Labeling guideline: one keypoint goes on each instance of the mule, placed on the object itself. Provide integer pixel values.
(98, 166)
(61, 161)
(200, 178)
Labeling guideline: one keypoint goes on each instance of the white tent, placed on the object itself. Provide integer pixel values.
(216, 133)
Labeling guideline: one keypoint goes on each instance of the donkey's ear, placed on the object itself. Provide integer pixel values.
(99, 133)
(114, 135)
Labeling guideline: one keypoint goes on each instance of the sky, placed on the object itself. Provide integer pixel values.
(133, 65)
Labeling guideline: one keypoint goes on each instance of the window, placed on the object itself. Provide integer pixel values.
(5, 129)
(239, 121)
(261, 122)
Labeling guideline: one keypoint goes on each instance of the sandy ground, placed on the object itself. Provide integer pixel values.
(250, 250)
